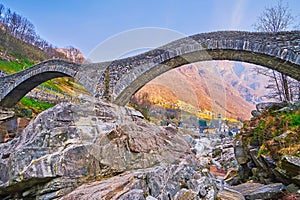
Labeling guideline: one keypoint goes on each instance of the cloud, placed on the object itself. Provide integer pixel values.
(238, 13)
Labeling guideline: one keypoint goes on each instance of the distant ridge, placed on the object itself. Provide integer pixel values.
(229, 88)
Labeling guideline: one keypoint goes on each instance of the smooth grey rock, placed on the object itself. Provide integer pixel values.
(288, 169)
(268, 160)
(296, 179)
(284, 109)
(189, 140)
(292, 188)
(255, 113)
(230, 194)
(150, 198)
(134, 194)
(161, 182)
(83, 142)
(240, 154)
(185, 194)
(254, 191)
(253, 153)
(135, 113)
(9, 127)
(6, 114)
(291, 164)
(261, 107)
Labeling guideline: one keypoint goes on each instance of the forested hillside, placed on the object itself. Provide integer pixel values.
(21, 47)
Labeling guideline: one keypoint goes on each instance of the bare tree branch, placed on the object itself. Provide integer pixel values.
(274, 19)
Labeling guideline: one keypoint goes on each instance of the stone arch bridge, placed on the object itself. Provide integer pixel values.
(118, 80)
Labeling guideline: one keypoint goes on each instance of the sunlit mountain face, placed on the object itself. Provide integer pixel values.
(208, 88)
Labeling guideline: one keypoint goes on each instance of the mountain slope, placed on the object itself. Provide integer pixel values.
(16, 55)
(228, 88)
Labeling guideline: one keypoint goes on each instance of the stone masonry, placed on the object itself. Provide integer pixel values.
(118, 80)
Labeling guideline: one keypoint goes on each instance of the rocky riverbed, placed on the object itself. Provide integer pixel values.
(97, 150)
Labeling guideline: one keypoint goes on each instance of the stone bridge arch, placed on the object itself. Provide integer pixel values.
(118, 80)
(278, 51)
(16, 86)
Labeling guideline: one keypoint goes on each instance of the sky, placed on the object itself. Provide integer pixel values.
(85, 24)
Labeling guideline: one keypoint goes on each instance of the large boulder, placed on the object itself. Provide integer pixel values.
(69, 145)
(289, 168)
(254, 191)
(271, 106)
(230, 194)
(171, 181)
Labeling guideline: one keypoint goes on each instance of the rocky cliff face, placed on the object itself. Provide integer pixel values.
(109, 151)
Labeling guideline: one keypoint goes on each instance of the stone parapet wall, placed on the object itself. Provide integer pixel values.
(119, 79)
